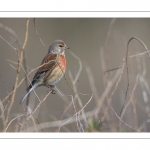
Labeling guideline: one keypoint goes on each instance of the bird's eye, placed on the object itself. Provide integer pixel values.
(60, 46)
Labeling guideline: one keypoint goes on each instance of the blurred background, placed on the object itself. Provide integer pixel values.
(101, 45)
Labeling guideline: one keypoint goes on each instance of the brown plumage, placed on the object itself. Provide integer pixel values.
(51, 69)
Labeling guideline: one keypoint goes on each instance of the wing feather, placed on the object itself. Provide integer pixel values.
(47, 63)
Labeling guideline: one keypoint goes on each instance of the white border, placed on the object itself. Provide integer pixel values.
(75, 14)
(76, 135)
(75, 5)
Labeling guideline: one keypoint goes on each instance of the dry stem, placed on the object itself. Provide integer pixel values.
(18, 71)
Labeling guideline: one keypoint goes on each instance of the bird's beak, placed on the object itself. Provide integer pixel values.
(66, 47)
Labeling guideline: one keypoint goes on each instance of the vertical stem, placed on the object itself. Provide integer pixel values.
(18, 71)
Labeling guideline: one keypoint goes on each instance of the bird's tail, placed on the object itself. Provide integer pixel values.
(29, 90)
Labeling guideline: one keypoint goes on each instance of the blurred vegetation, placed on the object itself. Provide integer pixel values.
(91, 96)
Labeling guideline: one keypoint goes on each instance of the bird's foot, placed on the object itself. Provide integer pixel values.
(52, 89)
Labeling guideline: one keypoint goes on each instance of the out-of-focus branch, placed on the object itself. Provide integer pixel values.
(11, 32)
(38, 106)
(106, 92)
(80, 65)
(22, 81)
(123, 121)
(132, 95)
(65, 121)
(37, 32)
(12, 121)
(106, 48)
(127, 69)
(18, 70)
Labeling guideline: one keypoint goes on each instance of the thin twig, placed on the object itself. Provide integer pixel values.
(56, 123)
(111, 95)
(38, 122)
(75, 79)
(12, 121)
(106, 92)
(80, 65)
(18, 70)
(4, 84)
(139, 54)
(132, 94)
(37, 32)
(77, 96)
(127, 65)
(73, 107)
(11, 32)
(30, 83)
(38, 105)
(92, 83)
(8, 43)
(106, 63)
(23, 80)
(13, 62)
(123, 121)
(77, 112)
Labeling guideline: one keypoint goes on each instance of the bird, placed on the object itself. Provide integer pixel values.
(51, 70)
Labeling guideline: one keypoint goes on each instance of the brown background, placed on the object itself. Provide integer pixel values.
(86, 37)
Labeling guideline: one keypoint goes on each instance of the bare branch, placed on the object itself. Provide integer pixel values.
(123, 121)
(11, 32)
(37, 32)
(18, 70)
(127, 65)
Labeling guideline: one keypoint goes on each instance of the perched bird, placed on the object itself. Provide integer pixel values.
(51, 69)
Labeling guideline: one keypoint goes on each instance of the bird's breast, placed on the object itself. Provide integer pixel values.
(63, 61)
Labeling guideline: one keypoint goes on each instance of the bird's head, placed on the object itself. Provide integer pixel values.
(58, 47)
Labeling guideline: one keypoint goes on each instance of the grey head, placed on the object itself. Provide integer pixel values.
(58, 47)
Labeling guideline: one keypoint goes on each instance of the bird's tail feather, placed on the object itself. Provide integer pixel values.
(28, 92)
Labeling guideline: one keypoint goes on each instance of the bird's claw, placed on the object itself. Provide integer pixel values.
(52, 89)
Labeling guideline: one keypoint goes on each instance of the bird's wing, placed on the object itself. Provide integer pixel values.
(48, 63)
